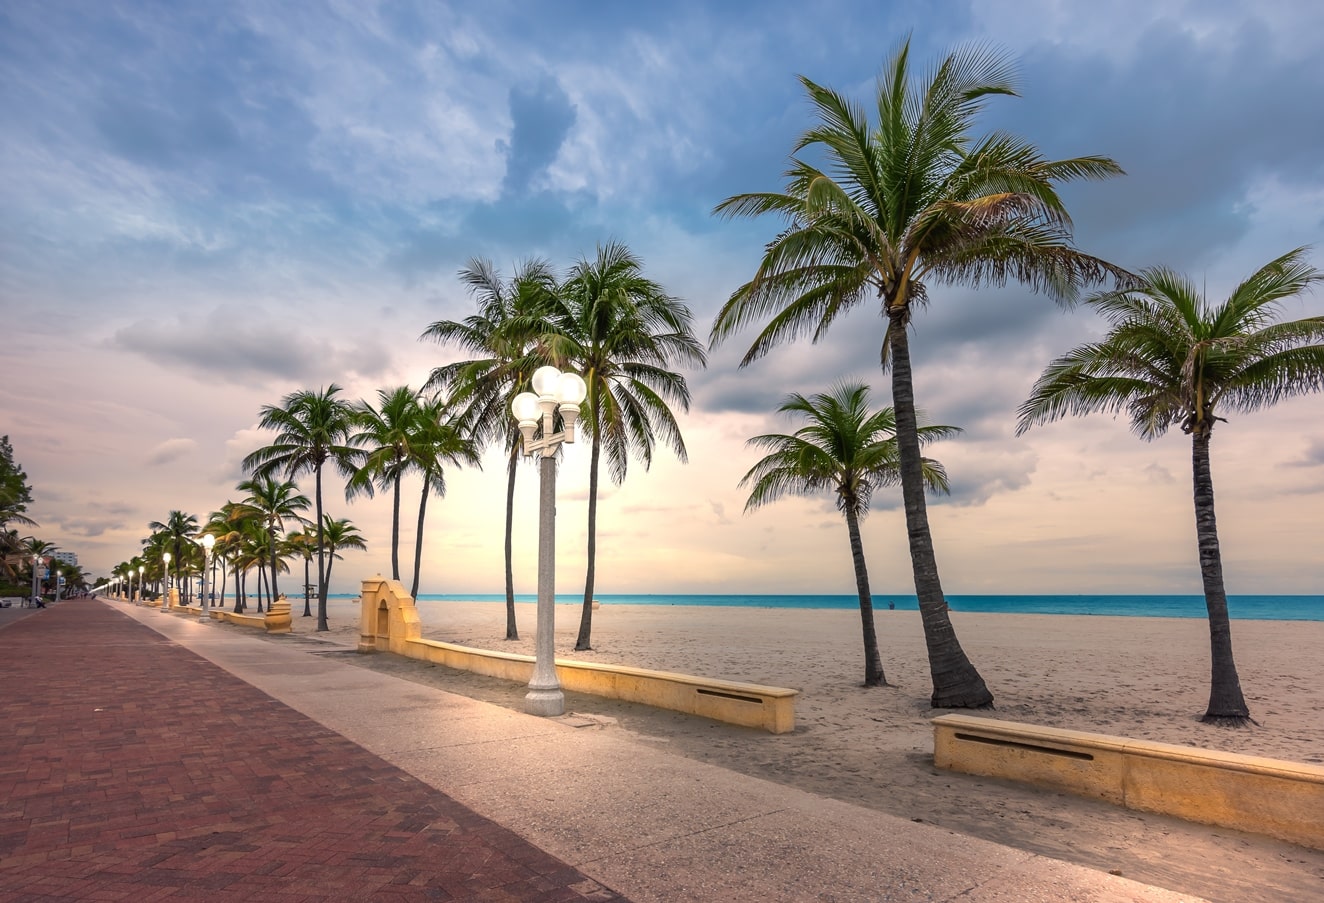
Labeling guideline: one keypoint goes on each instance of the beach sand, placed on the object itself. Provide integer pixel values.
(1136, 677)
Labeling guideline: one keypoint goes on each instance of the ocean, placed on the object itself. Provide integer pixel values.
(1256, 608)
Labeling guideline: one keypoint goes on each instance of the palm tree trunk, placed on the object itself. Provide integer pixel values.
(586, 616)
(956, 683)
(271, 532)
(395, 531)
(418, 539)
(307, 596)
(238, 589)
(1226, 704)
(512, 632)
(321, 552)
(873, 662)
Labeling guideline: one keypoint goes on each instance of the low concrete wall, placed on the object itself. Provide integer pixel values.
(1265, 796)
(389, 623)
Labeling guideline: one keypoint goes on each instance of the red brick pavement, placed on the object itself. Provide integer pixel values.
(133, 769)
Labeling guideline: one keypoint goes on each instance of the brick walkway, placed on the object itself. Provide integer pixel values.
(132, 769)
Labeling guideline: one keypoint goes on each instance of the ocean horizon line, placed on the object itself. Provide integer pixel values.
(1257, 607)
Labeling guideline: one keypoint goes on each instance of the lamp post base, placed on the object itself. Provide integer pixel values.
(547, 703)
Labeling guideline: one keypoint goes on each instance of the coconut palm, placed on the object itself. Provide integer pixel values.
(439, 441)
(622, 332)
(903, 202)
(221, 524)
(180, 529)
(846, 449)
(388, 435)
(304, 543)
(511, 315)
(1172, 358)
(340, 534)
(312, 428)
(272, 502)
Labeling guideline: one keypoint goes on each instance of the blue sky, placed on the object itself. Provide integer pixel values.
(205, 206)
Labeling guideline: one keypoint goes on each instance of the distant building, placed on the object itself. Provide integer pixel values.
(66, 557)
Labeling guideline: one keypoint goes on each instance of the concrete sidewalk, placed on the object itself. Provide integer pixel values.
(650, 825)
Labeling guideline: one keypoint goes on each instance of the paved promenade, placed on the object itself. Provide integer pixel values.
(132, 769)
(147, 761)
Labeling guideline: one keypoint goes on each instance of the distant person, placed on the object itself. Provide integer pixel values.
(891, 606)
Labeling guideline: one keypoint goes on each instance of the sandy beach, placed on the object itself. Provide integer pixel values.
(1137, 677)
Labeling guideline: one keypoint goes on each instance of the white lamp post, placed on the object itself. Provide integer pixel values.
(141, 568)
(165, 583)
(36, 561)
(208, 541)
(555, 391)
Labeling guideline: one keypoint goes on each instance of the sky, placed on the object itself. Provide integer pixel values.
(206, 206)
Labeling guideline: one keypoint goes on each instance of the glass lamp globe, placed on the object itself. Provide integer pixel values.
(573, 389)
(525, 408)
(546, 381)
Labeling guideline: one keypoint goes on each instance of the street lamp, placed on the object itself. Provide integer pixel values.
(141, 568)
(36, 560)
(555, 392)
(165, 581)
(207, 542)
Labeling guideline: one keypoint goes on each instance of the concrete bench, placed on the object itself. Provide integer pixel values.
(750, 705)
(246, 620)
(389, 623)
(1265, 796)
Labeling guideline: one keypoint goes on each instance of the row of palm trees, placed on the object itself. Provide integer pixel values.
(249, 535)
(603, 318)
(884, 207)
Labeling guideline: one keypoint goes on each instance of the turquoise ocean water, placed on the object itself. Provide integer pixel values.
(1260, 608)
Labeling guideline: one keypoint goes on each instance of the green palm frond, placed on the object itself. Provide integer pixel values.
(842, 447)
(1172, 358)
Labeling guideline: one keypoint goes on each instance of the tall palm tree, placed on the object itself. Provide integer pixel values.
(180, 529)
(312, 429)
(846, 449)
(622, 332)
(273, 502)
(439, 441)
(340, 534)
(1172, 358)
(387, 434)
(904, 201)
(502, 334)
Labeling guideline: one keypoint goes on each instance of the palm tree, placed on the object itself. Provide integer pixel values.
(850, 451)
(312, 428)
(1170, 358)
(511, 315)
(179, 528)
(222, 525)
(438, 442)
(340, 534)
(906, 201)
(272, 502)
(387, 434)
(304, 544)
(621, 331)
